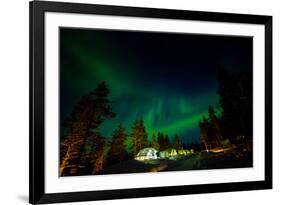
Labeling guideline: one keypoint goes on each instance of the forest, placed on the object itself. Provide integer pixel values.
(85, 151)
(236, 121)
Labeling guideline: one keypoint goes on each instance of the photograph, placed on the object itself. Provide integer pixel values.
(131, 101)
(145, 101)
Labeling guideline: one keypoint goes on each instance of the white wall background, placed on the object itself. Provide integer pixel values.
(14, 99)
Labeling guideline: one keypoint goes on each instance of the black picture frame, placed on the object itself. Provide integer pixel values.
(37, 193)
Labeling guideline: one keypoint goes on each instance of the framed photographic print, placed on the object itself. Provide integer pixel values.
(140, 102)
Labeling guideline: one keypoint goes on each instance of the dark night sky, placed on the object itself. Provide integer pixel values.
(167, 79)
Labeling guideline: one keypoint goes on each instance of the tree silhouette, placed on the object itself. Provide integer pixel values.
(204, 133)
(236, 100)
(163, 141)
(86, 117)
(214, 122)
(138, 136)
(154, 142)
(177, 143)
(236, 121)
(117, 150)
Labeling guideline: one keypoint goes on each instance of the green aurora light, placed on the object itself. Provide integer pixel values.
(91, 56)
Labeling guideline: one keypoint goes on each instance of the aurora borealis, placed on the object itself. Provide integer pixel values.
(167, 79)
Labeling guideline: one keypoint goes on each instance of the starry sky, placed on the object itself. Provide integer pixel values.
(167, 79)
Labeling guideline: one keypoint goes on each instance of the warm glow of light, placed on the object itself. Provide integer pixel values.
(217, 150)
(146, 154)
(220, 149)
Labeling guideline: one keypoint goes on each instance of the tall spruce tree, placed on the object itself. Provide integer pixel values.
(88, 114)
(138, 136)
(154, 142)
(214, 122)
(236, 100)
(177, 143)
(117, 149)
(205, 133)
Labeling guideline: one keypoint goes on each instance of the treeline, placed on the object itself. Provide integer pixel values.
(126, 145)
(84, 151)
(235, 123)
(162, 142)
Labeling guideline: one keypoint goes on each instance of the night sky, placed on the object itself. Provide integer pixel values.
(166, 79)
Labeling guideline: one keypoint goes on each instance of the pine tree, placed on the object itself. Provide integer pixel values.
(143, 135)
(204, 133)
(235, 91)
(160, 141)
(154, 142)
(163, 141)
(97, 152)
(166, 144)
(134, 137)
(214, 122)
(177, 143)
(117, 150)
(86, 117)
(226, 91)
(138, 136)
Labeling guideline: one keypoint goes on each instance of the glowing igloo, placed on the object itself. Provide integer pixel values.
(146, 154)
(168, 154)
